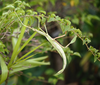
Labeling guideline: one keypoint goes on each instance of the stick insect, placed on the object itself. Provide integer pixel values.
(54, 43)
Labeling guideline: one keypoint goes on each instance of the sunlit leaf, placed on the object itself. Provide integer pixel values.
(75, 20)
(30, 63)
(95, 58)
(29, 52)
(13, 57)
(9, 7)
(77, 54)
(73, 40)
(27, 42)
(42, 12)
(53, 80)
(4, 70)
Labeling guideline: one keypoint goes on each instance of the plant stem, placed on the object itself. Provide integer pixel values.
(7, 79)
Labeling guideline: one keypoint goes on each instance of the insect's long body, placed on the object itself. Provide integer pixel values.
(60, 51)
(54, 43)
(57, 46)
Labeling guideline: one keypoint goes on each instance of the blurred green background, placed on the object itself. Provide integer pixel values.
(84, 15)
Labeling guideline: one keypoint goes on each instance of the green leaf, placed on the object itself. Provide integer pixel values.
(29, 74)
(26, 4)
(9, 7)
(61, 77)
(49, 72)
(95, 58)
(65, 25)
(4, 70)
(86, 40)
(77, 54)
(18, 1)
(39, 8)
(2, 47)
(27, 43)
(89, 17)
(41, 78)
(69, 58)
(75, 20)
(40, 58)
(78, 32)
(85, 58)
(29, 52)
(50, 19)
(53, 80)
(43, 12)
(43, 20)
(28, 64)
(98, 54)
(93, 49)
(13, 57)
(34, 13)
(53, 2)
(74, 39)
(14, 39)
(20, 12)
(6, 13)
(29, 11)
(57, 18)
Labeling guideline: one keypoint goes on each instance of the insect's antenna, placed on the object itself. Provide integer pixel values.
(39, 26)
(45, 28)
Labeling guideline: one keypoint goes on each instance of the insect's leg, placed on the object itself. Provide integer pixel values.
(60, 44)
(45, 28)
(64, 46)
(61, 36)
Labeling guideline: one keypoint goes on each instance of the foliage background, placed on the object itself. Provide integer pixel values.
(85, 15)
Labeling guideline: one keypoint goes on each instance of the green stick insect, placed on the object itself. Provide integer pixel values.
(54, 43)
